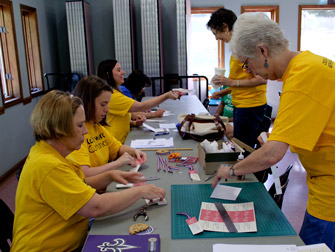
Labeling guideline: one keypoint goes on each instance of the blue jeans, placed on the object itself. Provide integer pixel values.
(247, 123)
(315, 230)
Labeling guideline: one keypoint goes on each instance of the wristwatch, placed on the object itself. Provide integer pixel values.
(231, 171)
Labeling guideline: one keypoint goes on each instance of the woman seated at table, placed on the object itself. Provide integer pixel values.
(54, 200)
(133, 87)
(120, 105)
(100, 146)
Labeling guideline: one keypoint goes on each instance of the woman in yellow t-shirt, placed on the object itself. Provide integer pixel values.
(120, 105)
(305, 120)
(54, 200)
(100, 147)
(248, 91)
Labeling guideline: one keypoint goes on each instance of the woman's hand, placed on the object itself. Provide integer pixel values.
(223, 172)
(158, 113)
(221, 80)
(126, 177)
(126, 159)
(173, 95)
(152, 192)
(140, 156)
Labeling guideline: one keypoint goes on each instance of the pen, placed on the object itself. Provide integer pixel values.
(163, 133)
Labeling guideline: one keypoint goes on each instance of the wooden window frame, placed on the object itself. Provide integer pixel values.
(310, 7)
(221, 46)
(274, 9)
(32, 49)
(10, 56)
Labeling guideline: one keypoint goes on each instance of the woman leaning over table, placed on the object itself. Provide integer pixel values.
(248, 91)
(54, 199)
(259, 41)
(100, 147)
(120, 105)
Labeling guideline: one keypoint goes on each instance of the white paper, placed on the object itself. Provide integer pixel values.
(225, 192)
(152, 143)
(167, 125)
(157, 201)
(254, 248)
(156, 130)
(321, 247)
(241, 214)
(182, 90)
(167, 113)
(135, 169)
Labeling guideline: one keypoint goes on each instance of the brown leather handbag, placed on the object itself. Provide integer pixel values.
(201, 127)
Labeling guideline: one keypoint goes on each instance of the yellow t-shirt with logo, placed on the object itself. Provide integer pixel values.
(99, 147)
(118, 116)
(50, 192)
(306, 121)
(245, 97)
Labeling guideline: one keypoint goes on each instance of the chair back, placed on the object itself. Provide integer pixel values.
(6, 227)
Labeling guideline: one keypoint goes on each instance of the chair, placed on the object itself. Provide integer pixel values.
(6, 227)
(283, 182)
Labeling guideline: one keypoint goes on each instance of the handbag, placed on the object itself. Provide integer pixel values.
(201, 127)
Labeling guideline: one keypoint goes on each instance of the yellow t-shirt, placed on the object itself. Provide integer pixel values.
(118, 116)
(306, 121)
(50, 192)
(99, 147)
(245, 97)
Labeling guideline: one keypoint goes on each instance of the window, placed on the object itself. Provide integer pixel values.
(316, 29)
(272, 11)
(203, 59)
(32, 48)
(9, 67)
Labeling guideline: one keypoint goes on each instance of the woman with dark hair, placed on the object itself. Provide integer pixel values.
(133, 87)
(54, 199)
(121, 106)
(248, 91)
(100, 147)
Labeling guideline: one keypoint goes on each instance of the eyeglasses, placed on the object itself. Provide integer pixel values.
(245, 64)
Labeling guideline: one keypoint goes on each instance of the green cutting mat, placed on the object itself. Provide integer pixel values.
(187, 198)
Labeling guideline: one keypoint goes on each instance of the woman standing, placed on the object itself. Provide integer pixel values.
(247, 90)
(260, 42)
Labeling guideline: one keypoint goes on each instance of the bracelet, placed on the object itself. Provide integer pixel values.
(237, 83)
(231, 171)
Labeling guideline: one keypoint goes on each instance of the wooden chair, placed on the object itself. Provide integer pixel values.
(6, 227)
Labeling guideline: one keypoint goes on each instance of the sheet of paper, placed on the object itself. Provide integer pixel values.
(167, 125)
(167, 113)
(254, 248)
(321, 247)
(242, 215)
(149, 127)
(226, 192)
(152, 143)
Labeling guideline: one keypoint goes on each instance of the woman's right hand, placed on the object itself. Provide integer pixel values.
(126, 159)
(158, 113)
(152, 192)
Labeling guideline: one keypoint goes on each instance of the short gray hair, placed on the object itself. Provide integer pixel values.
(256, 29)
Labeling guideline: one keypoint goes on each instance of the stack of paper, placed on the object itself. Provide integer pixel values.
(152, 143)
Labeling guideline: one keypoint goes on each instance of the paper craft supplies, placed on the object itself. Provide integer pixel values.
(242, 215)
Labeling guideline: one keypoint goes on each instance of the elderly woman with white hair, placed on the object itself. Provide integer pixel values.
(305, 119)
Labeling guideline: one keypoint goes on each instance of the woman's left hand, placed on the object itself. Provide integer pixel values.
(221, 80)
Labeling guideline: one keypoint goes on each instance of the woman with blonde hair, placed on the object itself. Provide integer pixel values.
(54, 200)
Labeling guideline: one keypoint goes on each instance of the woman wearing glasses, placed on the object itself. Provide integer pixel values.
(261, 42)
(248, 91)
